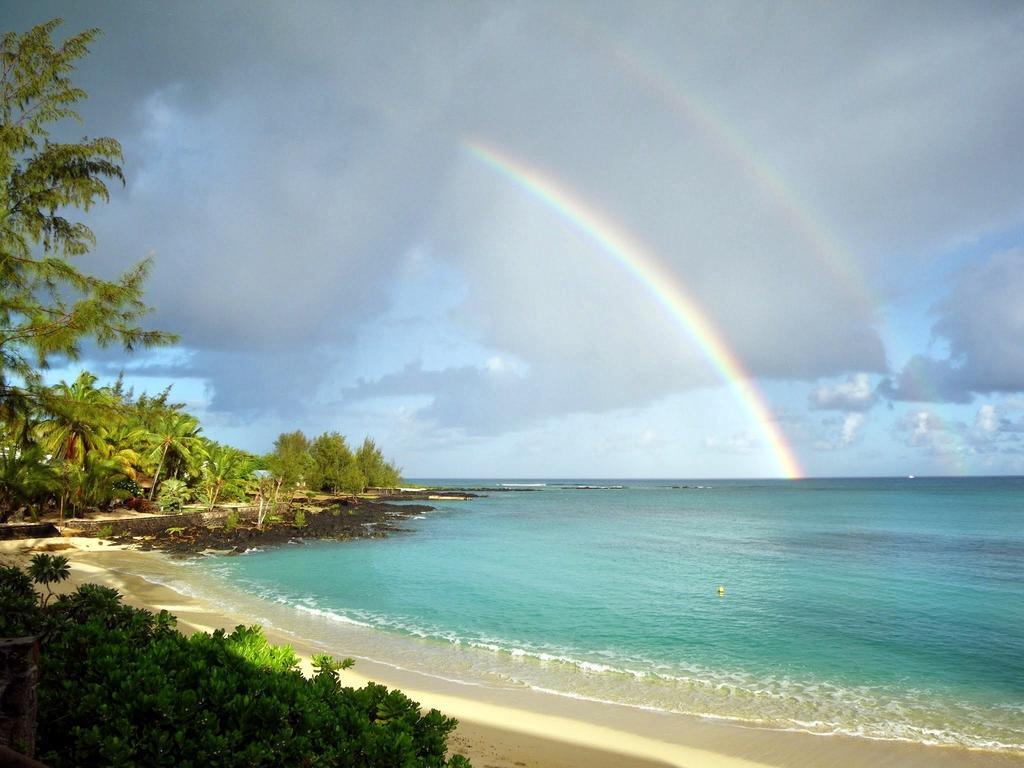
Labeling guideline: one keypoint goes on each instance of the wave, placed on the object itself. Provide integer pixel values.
(812, 706)
(338, 617)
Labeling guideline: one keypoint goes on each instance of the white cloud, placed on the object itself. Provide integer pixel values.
(851, 427)
(987, 419)
(922, 428)
(853, 394)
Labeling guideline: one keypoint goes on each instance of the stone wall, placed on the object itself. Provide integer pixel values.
(147, 525)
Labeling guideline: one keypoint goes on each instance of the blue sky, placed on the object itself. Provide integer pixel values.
(334, 258)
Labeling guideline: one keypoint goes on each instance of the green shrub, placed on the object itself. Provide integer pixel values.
(300, 518)
(174, 494)
(231, 521)
(105, 531)
(128, 485)
(19, 604)
(143, 694)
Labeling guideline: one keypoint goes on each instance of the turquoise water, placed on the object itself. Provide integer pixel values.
(886, 608)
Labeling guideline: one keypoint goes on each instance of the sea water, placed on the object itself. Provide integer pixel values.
(888, 608)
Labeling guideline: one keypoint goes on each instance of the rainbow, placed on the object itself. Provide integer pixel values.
(631, 255)
(824, 246)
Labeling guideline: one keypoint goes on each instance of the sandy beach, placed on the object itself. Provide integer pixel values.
(501, 728)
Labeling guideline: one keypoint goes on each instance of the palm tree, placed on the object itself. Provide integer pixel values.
(97, 483)
(224, 472)
(176, 434)
(25, 478)
(127, 445)
(76, 412)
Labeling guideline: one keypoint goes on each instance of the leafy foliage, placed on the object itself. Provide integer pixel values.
(146, 695)
(25, 479)
(48, 569)
(223, 474)
(175, 439)
(290, 461)
(20, 613)
(377, 472)
(330, 456)
(174, 494)
(334, 467)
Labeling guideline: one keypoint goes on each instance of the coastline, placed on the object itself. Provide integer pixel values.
(503, 728)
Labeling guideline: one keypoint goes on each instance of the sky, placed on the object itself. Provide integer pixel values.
(518, 239)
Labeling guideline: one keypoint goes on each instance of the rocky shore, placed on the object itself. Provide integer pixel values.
(339, 519)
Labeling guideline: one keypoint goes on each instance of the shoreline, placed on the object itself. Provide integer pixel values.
(504, 728)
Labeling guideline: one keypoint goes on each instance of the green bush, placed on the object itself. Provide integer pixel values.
(300, 518)
(19, 604)
(174, 494)
(231, 521)
(105, 531)
(122, 687)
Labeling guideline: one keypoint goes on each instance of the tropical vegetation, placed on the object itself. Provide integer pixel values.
(147, 695)
(86, 446)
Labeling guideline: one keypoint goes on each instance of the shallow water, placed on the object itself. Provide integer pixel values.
(885, 608)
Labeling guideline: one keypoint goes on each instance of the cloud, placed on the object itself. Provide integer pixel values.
(284, 162)
(922, 429)
(849, 430)
(982, 321)
(740, 442)
(851, 426)
(986, 422)
(992, 428)
(853, 394)
(988, 433)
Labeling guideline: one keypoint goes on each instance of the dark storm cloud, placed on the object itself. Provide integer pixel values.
(982, 321)
(283, 160)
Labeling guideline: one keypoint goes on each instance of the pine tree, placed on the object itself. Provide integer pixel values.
(48, 307)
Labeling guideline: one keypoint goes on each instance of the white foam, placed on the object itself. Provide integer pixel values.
(330, 615)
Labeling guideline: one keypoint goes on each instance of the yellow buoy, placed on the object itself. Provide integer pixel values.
(721, 591)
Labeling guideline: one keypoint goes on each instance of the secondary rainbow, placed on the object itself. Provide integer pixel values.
(663, 286)
(732, 146)
(825, 247)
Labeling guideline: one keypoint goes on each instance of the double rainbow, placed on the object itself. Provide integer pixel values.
(662, 285)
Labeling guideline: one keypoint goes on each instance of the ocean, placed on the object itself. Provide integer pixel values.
(886, 608)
